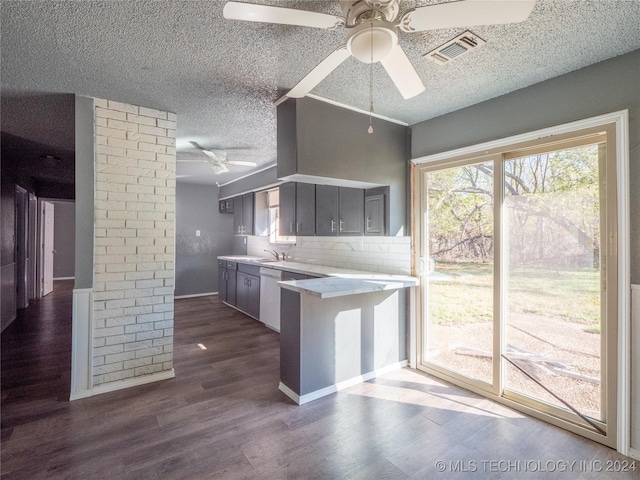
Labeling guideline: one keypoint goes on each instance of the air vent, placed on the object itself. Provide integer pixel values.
(455, 48)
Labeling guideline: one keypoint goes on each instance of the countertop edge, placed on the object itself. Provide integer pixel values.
(351, 287)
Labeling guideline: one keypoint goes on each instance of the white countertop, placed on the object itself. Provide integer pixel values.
(330, 287)
(336, 282)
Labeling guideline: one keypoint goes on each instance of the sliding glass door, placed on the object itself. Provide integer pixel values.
(519, 298)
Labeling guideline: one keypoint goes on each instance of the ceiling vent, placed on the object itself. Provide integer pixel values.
(455, 48)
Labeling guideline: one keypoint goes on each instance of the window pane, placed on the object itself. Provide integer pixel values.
(552, 224)
(460, 279)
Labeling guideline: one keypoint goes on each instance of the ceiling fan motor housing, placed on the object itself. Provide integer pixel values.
(372, 40)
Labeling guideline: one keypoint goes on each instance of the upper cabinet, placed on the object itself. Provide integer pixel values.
(374, 207)
(340, 210)
(225, 206)
(297, 209)
(351, 211)
(243, 214)
(326, 210)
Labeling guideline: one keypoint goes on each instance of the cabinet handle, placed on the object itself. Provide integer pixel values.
(333, 225)
(341, 225)
(297, 227)
(290, 227)
(368, 223)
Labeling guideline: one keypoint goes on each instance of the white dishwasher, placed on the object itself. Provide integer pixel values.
(270, 297)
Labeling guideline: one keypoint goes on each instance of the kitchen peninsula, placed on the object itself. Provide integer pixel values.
(338, 327)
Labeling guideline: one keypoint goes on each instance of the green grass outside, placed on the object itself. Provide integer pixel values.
(571, 295)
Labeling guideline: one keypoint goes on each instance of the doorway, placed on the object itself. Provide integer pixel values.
(520, 293)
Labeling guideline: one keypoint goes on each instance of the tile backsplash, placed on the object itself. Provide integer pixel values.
(373, 254)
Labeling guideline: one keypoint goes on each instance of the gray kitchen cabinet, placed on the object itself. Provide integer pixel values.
(326, 210)
(225, 206)
(287, 209)
(248, 290)
(243, 214)
(227, 281)
(374, 215)
(297, 209)
(339, 210)
(351, 208)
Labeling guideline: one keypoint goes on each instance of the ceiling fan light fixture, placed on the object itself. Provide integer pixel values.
(378, 35)
(218, 169)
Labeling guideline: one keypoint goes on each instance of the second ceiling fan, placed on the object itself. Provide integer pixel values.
(372, 36)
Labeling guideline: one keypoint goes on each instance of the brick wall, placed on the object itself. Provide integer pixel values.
(134, 241)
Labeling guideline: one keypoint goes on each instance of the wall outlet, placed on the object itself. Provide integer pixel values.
(197, 233)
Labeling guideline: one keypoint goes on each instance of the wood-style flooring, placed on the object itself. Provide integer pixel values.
(223, 417)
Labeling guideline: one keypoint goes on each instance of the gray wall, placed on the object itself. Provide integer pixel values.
(84, 193)
(64, 231)
(318, 139)
(196, 257)
(605, 87)
(250, 183)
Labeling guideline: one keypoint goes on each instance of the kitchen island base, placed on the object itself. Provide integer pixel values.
(328, 344)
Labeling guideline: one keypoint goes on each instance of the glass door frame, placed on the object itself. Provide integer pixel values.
(616, 409)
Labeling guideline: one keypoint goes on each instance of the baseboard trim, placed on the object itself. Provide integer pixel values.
(633, 453)
(122, 384)
(208, 294)
(323, 392)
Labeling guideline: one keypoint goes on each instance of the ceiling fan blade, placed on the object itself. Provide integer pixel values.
(401, 71)
(242, 163)
(466, 13)
(319, 73)
(286, 16)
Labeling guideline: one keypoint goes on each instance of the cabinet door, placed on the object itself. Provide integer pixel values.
(242, 291)
(305, 209)
(222, 206)
(326, 210)
(247, 214)
(253, 300)
(232, 287)
(374, 215)
(228, 205)
(222, 280)
(351, 207)
(237, 216)
(287, 209)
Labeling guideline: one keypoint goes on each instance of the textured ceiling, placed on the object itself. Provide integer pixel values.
(221, 77)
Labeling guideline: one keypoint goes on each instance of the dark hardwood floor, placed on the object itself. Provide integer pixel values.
(223, 416)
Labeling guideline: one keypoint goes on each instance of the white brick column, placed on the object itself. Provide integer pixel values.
(134, 244)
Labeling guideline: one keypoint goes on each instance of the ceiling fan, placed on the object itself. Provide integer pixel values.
(372, 37)
(217, 160)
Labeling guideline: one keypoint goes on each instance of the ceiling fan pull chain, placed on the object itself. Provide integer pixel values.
(370, 129)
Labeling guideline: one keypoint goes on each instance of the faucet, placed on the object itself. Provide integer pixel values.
(275, 254)
(283, 256)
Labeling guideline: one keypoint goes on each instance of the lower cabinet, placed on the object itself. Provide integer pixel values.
(248, 294)
(248, 290)
(227, 281)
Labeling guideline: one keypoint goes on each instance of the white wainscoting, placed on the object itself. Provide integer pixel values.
(634, 451)
(81, 343)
